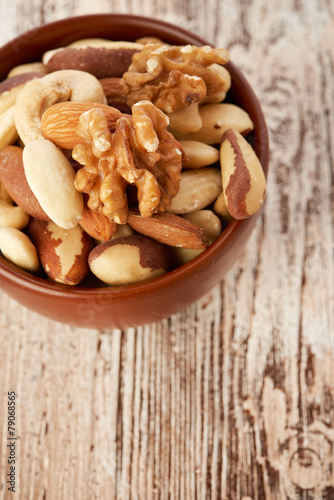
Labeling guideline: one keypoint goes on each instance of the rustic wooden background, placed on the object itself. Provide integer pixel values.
(234, 397)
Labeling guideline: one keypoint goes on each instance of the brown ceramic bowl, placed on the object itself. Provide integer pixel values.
(137, 304)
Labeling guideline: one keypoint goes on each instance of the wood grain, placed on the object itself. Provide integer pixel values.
(234, 397)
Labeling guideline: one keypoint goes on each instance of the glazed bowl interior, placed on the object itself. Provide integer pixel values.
(94, 305)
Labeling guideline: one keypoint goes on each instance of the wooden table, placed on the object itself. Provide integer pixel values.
(234, 397)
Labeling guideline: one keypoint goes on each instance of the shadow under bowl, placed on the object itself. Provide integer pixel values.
(103, 307)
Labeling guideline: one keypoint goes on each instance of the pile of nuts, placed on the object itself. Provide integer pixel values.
(121, 160)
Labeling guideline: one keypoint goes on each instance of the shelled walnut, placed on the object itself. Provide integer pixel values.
(173, 77)
(139, 151)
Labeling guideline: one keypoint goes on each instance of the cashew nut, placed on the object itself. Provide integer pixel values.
(12, 216)
(220, 208)
(212, 227)
(39, 94)
(216, 119)
(225, 75)
(186, 120)
(17, 248)
(208, 221)
(189, 119)
(198, 188)
(199, 154)
(8, 133)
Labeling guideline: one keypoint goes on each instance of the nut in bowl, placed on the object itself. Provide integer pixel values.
(132, 197)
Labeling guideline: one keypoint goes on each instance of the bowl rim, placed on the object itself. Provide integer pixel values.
(27, 280)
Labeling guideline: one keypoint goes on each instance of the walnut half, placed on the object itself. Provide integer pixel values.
(139, 151)
(173, 77)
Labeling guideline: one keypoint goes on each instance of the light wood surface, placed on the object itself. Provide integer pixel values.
(234, 397)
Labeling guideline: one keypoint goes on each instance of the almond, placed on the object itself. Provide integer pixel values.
(129, 259)
(13, 177)
(60, 121)
(63, 252)
(170, 229)
(97, 225)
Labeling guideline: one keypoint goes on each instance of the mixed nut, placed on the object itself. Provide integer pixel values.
(121, 159)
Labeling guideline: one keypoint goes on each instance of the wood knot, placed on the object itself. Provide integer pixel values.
(305, 469)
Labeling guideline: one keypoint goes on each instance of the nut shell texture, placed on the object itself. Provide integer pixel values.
(101, 62)
(244, 183)
(170, 229)
(128, 259)
(63, 253)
